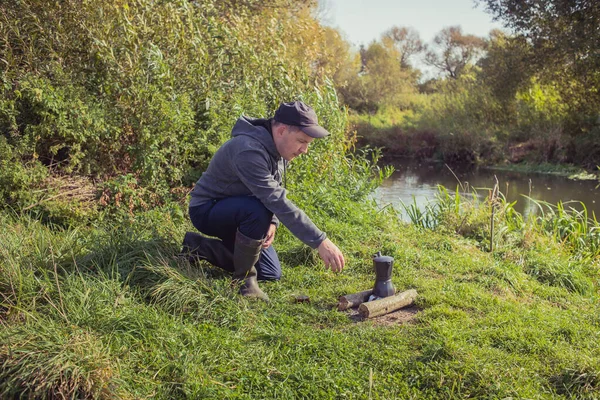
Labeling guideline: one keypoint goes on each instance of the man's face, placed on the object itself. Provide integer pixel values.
(291, 142)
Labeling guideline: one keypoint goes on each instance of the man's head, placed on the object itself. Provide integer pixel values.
(295, 126)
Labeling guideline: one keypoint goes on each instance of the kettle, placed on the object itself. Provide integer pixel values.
(383, 276)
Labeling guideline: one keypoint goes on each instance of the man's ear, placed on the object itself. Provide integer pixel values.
(279, 129)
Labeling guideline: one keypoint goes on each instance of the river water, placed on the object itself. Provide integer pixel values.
(419, 181)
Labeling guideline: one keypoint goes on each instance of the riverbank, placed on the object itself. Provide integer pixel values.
(568, 171)
(407, 134)
(109, 311)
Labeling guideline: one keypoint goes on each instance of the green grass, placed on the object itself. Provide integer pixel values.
(105, 312)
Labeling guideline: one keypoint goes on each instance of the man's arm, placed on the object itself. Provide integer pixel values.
(253, 168)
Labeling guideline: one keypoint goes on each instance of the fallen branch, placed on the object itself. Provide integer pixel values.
(387, 305)
(51, 198)
(354, 299)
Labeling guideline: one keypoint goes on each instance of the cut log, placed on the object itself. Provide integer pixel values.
(353, 300)
(387, 305)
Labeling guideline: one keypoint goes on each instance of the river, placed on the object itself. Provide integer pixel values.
(419, 181)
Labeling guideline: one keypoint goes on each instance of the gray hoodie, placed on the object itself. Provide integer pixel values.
(249, 164)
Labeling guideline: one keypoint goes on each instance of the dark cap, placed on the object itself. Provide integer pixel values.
(304, 117)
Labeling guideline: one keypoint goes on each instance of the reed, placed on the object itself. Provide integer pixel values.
(469, 215)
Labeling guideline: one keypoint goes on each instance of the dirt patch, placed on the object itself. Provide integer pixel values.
(402, 316)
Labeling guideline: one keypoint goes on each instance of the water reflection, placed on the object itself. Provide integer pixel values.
(421, 180)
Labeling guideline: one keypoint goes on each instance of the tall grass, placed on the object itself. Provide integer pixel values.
(571, 224)
(568, 223)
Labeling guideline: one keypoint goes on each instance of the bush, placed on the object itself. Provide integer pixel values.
(136, 98)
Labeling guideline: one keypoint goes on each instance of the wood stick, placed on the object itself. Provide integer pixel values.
(52, 197)
(354, 299)
(387, 305)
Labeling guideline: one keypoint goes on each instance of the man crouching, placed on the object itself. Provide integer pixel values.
(240, 199)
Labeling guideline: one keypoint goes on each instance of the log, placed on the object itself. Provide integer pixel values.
(387, 305)
(354, 299)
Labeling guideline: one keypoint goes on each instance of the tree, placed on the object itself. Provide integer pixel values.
(453, 51)
(335, 56)
(406, 40)
(561, 31)
(379, 79)
(506, 67)
(261, 5)
(564, 37)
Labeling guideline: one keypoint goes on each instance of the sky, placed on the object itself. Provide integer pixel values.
(365, 20)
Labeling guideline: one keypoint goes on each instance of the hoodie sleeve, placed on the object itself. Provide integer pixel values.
(275, 220)
(252, 167)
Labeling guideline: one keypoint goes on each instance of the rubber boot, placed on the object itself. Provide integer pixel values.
(197, 247)
(245, 254)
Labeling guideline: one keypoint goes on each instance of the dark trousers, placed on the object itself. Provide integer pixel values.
(222, 218)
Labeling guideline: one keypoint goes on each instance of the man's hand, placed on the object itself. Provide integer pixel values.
(331, 255)
(270, 236)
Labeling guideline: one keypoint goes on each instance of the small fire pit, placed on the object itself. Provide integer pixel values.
(382, 299)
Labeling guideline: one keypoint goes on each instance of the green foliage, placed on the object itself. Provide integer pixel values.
(495, 106)
(570, 225)
(470, 216)
(394, 131)
(463, 117)
(563, 33)
(52, 359)
(406, 41)
(380, 80)
(146, 90)
(426, 218)
(62, 126)
(16, 176)
(539, 109)
(579, 382)
(505, 68)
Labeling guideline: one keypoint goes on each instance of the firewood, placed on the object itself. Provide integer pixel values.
(387, 305)
(353, 299)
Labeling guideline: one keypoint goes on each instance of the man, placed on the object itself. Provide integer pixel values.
(240, 199)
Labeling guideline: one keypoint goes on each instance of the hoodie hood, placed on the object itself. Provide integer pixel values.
(259, 129)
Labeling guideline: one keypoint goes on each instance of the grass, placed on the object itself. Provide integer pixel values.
(105, 312)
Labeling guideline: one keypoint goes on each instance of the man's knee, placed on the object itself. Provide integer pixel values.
(268, 275)
(257, 221)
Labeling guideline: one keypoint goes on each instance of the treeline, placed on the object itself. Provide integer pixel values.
(122, 103)
(530, 92)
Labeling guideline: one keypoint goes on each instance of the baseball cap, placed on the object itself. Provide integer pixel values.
(301, 115)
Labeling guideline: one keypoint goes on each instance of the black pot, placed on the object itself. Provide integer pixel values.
(383, 276)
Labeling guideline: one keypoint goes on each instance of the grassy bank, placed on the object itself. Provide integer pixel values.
(430, 132)
(569, 171)
(108, 311)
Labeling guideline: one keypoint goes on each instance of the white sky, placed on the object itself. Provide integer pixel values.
(365, 20)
